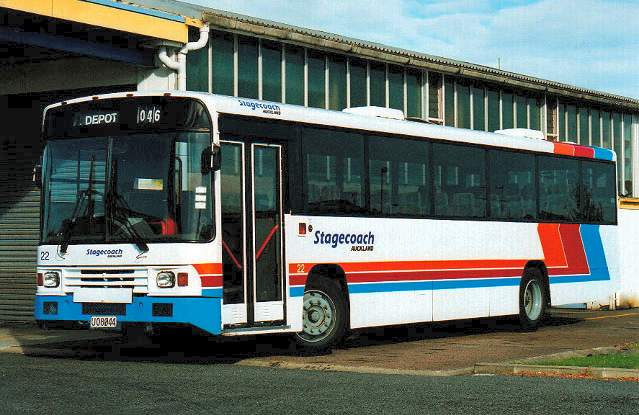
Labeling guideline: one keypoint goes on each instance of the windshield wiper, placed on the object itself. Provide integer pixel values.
(115, 205)
(69, 224)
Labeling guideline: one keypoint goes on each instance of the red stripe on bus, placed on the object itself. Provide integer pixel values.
(297, 279)
(210, 268)
(298, 268)
(212, 281)
(564, 148)
(582, 151)
(432, 275)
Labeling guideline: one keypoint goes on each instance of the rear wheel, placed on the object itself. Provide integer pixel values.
(324, 315)
(532, 299)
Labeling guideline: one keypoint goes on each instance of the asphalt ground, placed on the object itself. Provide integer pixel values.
(63, 386)
(451, 348)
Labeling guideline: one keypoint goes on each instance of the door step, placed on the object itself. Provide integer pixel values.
(256, 330)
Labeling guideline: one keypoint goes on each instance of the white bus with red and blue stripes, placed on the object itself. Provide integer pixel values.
(237, 216)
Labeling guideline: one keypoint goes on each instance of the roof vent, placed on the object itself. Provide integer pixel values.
(522, 132)
(381, 112)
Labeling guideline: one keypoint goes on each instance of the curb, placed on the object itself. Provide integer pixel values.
(326, 367)
(520, 369)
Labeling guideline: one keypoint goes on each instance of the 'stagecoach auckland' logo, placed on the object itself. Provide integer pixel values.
(358, 241)
(266, 108)
(110, 253)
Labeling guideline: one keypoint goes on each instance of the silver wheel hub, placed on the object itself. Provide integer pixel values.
(319, 316)
(533, 300)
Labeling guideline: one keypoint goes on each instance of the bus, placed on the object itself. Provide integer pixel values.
(236, 216)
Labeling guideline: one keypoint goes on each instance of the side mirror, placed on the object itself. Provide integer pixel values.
(216, 158)
(37, 173)
(211, 159)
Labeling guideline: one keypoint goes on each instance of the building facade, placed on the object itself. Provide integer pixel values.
(252, 58)
(56, 49)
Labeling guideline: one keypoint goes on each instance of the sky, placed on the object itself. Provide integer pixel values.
(587, 43)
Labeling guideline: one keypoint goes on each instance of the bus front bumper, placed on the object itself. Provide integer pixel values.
(201, 312)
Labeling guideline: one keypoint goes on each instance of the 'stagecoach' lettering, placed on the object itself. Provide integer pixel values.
(335, 239)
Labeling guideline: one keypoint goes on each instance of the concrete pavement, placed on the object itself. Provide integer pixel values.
(440, 349)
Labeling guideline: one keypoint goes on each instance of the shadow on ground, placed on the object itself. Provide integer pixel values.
(189, 346)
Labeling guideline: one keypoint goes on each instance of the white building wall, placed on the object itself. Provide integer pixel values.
(628, 296)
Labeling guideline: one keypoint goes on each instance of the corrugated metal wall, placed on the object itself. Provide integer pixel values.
(20, 120)
(19, 206)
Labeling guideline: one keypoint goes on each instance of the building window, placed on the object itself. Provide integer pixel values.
(584, 130)
(595, 124)
(377, 84)
(571, 115)
(463, 105)
(197, 76)
(627, 155)
(396, 87)
(493, 110)
(521, 105)
(413, 93)
(534, 105)
(435, 97)
(271, 71)
(551, 119)
(222, 47)
(358, 82)
(561, 121)
(618, 147)
(294, 57)
(479, 113)
(507, 116)
(316, 79)
(336, 82)
(247, 67)
(449, 101)
(606, 130)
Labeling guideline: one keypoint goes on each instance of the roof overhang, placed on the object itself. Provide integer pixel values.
(109, 14)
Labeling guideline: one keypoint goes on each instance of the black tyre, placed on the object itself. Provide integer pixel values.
(532, 299)
(324, 316)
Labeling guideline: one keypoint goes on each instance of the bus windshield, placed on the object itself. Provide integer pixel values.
(148, 187)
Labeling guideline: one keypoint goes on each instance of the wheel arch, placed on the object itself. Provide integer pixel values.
(332, 272)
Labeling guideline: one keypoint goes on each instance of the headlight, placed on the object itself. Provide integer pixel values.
(165, 279)
(51, 279)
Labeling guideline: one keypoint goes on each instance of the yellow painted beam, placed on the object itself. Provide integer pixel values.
(103, 16)
(629, 203)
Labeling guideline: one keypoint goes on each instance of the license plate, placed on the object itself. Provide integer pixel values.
(104, 322)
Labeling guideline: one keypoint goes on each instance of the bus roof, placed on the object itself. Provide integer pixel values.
(322, 117)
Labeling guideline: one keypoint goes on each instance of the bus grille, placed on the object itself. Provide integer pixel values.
(108, 278)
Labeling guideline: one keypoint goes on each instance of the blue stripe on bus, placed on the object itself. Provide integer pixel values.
(603, 154)
(202, 312)
(595, 255)
(431, 285)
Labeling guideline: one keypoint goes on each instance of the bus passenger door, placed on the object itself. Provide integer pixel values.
(252, 235)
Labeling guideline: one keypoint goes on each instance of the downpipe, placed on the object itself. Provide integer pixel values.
(180, 64)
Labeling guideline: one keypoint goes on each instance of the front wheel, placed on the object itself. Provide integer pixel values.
(324, 315)
(532, 299)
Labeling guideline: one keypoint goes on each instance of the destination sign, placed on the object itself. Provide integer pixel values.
(117, 116)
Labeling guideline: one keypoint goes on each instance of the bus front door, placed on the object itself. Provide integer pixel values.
(252, 234)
